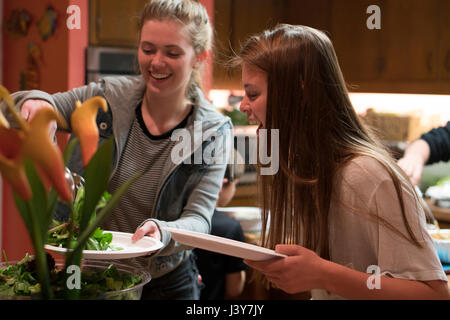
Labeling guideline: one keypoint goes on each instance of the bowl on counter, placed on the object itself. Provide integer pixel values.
(441, 240)
(248, 217)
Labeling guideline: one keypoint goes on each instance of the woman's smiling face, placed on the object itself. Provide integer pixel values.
(254, 104)
(166, 57)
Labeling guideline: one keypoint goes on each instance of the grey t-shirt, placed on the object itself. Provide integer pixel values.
(358, 241)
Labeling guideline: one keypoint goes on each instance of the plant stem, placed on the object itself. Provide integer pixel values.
(40, 255)
(6, 259)
(57, 228)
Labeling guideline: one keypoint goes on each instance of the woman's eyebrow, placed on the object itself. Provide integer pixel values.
(169, 46)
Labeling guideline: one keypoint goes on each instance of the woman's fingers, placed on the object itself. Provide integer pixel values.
(288, 249)
(149, 229)
(138, 235)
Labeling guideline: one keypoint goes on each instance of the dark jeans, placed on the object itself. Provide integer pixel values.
(179, 284)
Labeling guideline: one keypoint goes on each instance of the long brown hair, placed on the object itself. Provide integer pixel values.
(319, 132)
(194, 17)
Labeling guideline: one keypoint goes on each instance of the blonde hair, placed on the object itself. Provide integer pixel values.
(194, 17)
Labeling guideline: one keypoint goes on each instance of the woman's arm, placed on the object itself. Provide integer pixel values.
(304, 270)
(352, 284)
(414, 159)
(64, 102)
(438, 140)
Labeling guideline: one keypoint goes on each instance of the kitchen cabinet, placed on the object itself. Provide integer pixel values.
(114, 22)
(444, 41)
(405, 55)
(234, 21)
(409, 54)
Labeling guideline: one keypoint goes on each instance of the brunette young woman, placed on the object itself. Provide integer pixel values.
(144, 111)
(341, 210)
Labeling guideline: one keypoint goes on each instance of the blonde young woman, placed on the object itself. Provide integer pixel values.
(174, 39)
(340, 208)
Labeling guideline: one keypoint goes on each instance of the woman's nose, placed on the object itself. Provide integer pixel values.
(158, 59)
(243, 106)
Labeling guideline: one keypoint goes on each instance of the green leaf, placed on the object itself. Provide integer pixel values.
(98, 233)
(4, 257)
(39, 199)
(69, 149)
(97, 176)
(52, 202)
(78, 204)
(92, 244)
(23, 209)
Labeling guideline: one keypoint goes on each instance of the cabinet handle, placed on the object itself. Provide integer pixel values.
(429, 66)
(447, 61)
(381, 63)
(98, 22)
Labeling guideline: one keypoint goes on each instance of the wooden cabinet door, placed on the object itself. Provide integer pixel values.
(114, 22)
(409, 54)
(223, 78)
(410, 40)
(359, 49)
(235, 21)
(444, 41)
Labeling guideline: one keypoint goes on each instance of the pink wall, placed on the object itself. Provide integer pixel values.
(56, 74)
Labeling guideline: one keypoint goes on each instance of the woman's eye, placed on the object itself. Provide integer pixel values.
(147, 51)
(173, 54)
(252, 96)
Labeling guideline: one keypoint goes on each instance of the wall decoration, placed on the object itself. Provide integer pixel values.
(47, 23)
(30, 78)
(18, 23)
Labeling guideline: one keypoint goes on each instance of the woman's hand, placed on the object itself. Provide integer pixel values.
(31, 106)
(150, 229)
(299, 272)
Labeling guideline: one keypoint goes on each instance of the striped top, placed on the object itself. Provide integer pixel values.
(148, 154)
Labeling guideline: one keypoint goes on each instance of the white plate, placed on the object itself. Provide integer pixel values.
(222, 245)
(122, 240)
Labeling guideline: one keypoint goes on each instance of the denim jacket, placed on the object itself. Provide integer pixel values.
(187, 197)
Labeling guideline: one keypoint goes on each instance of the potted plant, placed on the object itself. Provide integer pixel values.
(35, 168)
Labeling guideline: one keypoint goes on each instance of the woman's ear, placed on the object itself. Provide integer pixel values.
(201, 58)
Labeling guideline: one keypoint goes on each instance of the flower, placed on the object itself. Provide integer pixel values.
(11, 161)
(46, 155)
(84, 125)
(31, 140)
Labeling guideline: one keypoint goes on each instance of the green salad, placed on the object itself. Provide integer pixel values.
(20, 279)
(59, 233)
